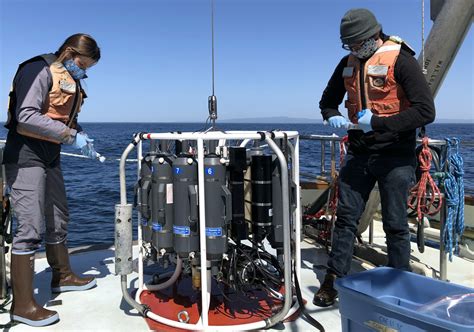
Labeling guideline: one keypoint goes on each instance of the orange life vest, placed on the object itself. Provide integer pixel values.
(63, 102)
(383, 95)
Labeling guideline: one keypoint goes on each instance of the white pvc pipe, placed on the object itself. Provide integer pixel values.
(297, 221)
(222, 142)
(215, 135)
(205, 292)
(244, 142)
(286, 234)
(200, 327)
(75, 155)
(139, 215)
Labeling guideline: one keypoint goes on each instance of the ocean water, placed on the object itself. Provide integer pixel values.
(93, 187)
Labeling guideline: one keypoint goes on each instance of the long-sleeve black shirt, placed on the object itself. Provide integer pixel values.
(396, 133)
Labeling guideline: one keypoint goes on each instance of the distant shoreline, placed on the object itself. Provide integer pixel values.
(249, 121)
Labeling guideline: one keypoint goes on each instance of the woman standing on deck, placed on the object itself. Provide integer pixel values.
(45, 101)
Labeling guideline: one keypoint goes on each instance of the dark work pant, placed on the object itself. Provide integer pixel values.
(395, 176)
(38, 198)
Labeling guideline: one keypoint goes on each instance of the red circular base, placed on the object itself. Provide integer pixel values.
(231, 309)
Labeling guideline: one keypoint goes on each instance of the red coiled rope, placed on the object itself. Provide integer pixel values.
(331, 205)
(425, 197)
(342, 153)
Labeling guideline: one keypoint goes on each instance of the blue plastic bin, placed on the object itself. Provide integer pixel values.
(389, 300)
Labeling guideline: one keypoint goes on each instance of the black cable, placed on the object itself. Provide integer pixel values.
(5, 303)
(8, 325)
(220, 290)
(310, 319)
(212, 28)
(3, 309)
(273, 262)
(266, 274)
(205, 125)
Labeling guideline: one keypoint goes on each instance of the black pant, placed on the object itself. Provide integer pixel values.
(395, 176)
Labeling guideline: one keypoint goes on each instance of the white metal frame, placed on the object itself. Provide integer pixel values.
(199, 137)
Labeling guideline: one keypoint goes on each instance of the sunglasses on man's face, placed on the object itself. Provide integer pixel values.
(353, 47)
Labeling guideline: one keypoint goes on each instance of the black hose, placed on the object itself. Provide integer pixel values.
(308, 317)
(420, 236)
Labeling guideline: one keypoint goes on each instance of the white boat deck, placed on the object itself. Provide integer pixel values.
(103, 309)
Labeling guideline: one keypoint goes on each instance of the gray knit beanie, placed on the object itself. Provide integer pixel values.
(357, 25)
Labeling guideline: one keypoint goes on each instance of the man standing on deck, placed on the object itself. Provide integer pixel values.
(388, 98)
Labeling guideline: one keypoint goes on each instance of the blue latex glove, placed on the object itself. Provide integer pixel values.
(81, 140)
(363, 118)
(84, 143)
(89, 151)
(338, 121)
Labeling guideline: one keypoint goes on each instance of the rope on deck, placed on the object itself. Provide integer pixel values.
(454, 191)
(425, 197)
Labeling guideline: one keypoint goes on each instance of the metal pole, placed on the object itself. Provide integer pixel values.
(333, 159)
(139, 215)
(443, 267)
(371, 231)
(205, 292)
(286, 234)
(298, 220)
(323, 152)
(450, 26)
(3, 261)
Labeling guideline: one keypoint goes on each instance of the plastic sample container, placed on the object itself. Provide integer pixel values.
(389, 300)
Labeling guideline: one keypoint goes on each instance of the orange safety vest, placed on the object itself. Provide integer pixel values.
(63, 102)
(383, 95)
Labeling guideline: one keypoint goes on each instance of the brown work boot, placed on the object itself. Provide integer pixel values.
(24, 308)
(326, 294)
(64, 279)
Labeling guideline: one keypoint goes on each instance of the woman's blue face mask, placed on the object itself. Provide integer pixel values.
(76, 72)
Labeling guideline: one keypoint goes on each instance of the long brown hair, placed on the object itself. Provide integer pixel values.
(78, 44)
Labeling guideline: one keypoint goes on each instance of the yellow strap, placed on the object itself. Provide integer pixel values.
(396, 39)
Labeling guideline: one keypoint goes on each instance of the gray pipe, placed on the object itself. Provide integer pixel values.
(450, 27)
(123, 161)
(286, 235)
(142, 309)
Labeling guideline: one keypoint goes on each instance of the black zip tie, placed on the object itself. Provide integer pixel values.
(133, 139)
(262, 135)
(146, 310)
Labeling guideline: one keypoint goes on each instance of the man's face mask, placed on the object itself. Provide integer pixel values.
(366, 49)
(76, 72)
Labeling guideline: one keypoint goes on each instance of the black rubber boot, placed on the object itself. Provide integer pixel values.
(326, 295)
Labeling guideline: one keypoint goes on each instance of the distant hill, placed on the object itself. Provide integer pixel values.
(275, 119)
(461, 121)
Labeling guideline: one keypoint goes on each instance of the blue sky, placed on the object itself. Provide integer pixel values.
(273, 57)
